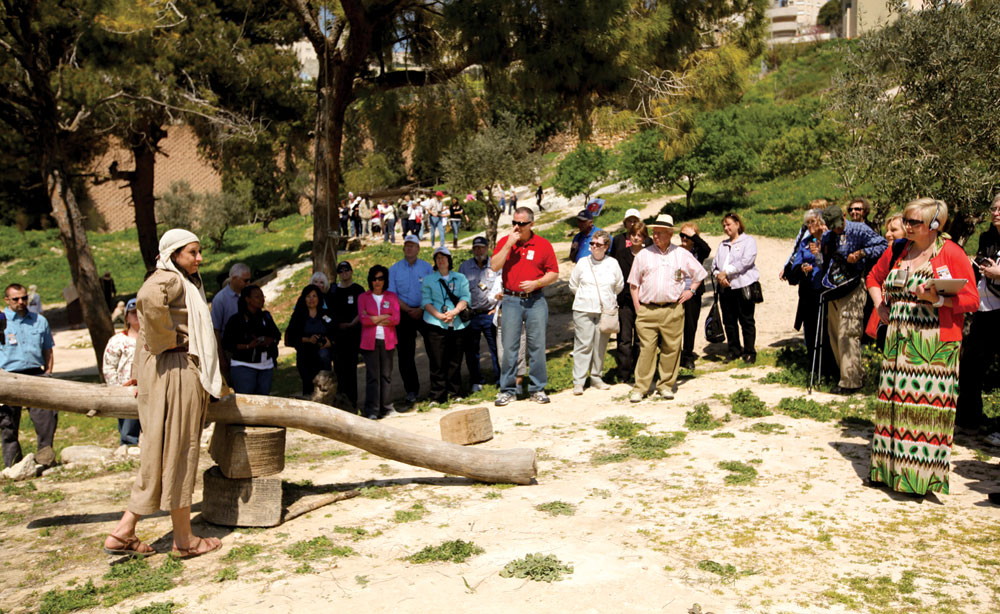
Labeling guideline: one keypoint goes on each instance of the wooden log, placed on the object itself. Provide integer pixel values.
(308, 504)
(250, 502)
(248, 451)
(467, 426)
(516, 466)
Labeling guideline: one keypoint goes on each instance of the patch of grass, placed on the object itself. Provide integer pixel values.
(361, 580)
(726, 435)
(801, 407)
(878, 593)
(739, 473)
(227, 573)
(242, 553)
(537, 567)
(700, 419)
(157, 607)
(981, 455)
(124, 580)
(20, 490)
(355, 533)
(747, 404)
(727, 572)
(621, 427)
(649, 447)
(377, 492)
(456, 551)
(57, 601)
(766, 428)
(416, 512)
(303, 568)
(610, 457)
(317, 548)
(557, 508)
(492, 495)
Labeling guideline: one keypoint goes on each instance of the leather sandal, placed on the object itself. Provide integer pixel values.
(130, 546)
(198, 549)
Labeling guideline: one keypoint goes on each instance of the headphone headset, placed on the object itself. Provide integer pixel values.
(935, 224)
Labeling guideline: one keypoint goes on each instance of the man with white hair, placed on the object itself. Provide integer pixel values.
(225, 304)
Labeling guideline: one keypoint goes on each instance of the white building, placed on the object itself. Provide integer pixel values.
(794, 21)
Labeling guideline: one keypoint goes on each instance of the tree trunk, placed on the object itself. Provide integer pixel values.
(515, 466)
(81, 262)
(143, 148)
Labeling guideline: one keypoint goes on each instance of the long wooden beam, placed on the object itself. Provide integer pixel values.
(516, 466)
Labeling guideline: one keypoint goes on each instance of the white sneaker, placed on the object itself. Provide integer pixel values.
(635, 397)
(477, 387)
(668, 395)
(578, 389)
(993, 439)
(596, 382)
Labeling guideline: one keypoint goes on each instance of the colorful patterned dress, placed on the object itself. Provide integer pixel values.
(918, 387)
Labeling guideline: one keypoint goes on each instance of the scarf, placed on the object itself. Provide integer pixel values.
(201, 334)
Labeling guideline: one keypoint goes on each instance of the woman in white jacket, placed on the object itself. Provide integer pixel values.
(596, 282)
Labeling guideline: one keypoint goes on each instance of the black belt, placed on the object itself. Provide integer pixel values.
(521, 294)
(657, 304)
(481, 311)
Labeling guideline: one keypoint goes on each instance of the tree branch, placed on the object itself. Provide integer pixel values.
(414, 77)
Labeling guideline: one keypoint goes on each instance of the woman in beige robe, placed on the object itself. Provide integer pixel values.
(176, 365)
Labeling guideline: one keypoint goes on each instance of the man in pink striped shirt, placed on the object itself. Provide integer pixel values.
(663, 277)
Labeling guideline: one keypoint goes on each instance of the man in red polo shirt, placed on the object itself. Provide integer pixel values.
(529, 264)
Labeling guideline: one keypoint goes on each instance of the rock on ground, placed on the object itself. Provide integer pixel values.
(23, 470)
(85, 455)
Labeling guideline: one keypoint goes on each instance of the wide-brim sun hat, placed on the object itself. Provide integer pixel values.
(664, 220)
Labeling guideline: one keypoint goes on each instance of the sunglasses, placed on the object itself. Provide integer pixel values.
(17, 298)
(859, 209)
(520, 224)
(378, 278)
(597, 244)
(912, 223)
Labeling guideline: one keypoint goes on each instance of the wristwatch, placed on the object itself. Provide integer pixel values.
(939, 302)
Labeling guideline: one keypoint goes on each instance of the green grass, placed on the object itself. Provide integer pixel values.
(455, 551)
(416, 512)
(766, 428)
(241, 554)
(537, 567)
(802, 407)
(157, 607)
(557, 508)
(700, 419)
(747, 404)
(621, 427)
(317, 548)
(739, 473)
(124, 580)
(227, 574)
(649, 447)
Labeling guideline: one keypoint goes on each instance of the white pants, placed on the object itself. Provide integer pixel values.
(589, 345)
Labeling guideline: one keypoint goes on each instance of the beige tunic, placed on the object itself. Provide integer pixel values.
(172, 401)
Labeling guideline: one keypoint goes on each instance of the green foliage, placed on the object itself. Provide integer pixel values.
(212, 215)
(581, 169)
(648, 447)
(227, 574)
(416, 512)
(537, 567)
(621, 427)
(700, 419)
(317, 548)
(793, 365)
(766, 428)
(747, 404)
(557, 508)
(57, 602)
(725, 435)
(124, 580)
(456, 551)
(157, 607)
(831, 15)
(243, 553)
(802, 407)
(739, 473)
(374, 173)
(355, 533)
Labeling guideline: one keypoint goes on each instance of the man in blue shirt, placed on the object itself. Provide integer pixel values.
(849, 249)
(405, 279)
(27, 349)
(581, 242)
(225, 304)
(483, 305)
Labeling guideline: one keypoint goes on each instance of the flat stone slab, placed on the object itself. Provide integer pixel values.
(85, 455)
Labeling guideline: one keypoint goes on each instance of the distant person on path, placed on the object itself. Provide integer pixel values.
(177, 370)
(378, 312)
(980, 347)
(251, 336)
(225, 304)
(343, 302)
(658, 294)
(109, 289)
(310, 331)
(529, 264)
(625, 246)
(511, 198)
(445, 296)
(483, 304)
(538, 197)
(406, 278)
(848, 248)
(116, 365)
(595, 282)
(34, 300)
(581, 241)
(387, 215)
(915, 409)
(692, 241)
(365, 209)
(736, 274)
(457, 217)
(27, 350)
(433, 208)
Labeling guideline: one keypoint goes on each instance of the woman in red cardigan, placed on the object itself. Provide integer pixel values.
(918, 386)
(378, 310)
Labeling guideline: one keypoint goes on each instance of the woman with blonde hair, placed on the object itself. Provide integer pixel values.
(894, 228)
(177, 368)
(595, 282)
(915, 408)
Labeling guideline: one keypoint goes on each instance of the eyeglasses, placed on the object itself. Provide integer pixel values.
(520, 224)
(597, 244)
(909, 223)
(15, 299)
(994, 209)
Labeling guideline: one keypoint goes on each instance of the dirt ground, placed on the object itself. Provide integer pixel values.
(659, 535)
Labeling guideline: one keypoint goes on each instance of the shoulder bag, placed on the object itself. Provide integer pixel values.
(609, 315)
(466, 314)
(753, 293)
(714, 331)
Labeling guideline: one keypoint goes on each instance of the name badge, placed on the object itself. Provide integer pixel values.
(531, 254)
(11, 339)
(944, 273)
(326, 319)
(678, 275)
(350, 300)
(385, 304)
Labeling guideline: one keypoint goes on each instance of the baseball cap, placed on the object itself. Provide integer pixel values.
(833, 216)
(480, 241)
(130, 305)
(584, 215)
(632, 213)
(439, 193)
(441, 250)
(411, 239)
(344, 266)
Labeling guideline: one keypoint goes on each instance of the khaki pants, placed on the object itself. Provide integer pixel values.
(661, 331)
(589, 346)
(172, 404)
(844, 319)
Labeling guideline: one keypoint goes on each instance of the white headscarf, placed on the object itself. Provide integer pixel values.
(201, 334)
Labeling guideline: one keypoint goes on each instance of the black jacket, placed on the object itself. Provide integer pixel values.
(621, 251)
(243, 328)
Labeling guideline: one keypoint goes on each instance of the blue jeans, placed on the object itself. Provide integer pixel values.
(389, 232)
(455, 225)
(437, 223)
(534, 313)
(251, 381)
(128, 431)
(481, 324)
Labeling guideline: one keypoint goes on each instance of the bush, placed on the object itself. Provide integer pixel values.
(700, 419)
(581, 169)
(745, 403)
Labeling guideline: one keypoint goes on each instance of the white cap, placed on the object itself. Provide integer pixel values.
(632, 213)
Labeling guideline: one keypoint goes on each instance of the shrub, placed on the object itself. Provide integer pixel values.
(456, 551)
(538, 567)
(745, 403)
(700, 419)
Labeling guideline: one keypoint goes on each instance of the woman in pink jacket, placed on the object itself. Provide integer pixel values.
(378, 310)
